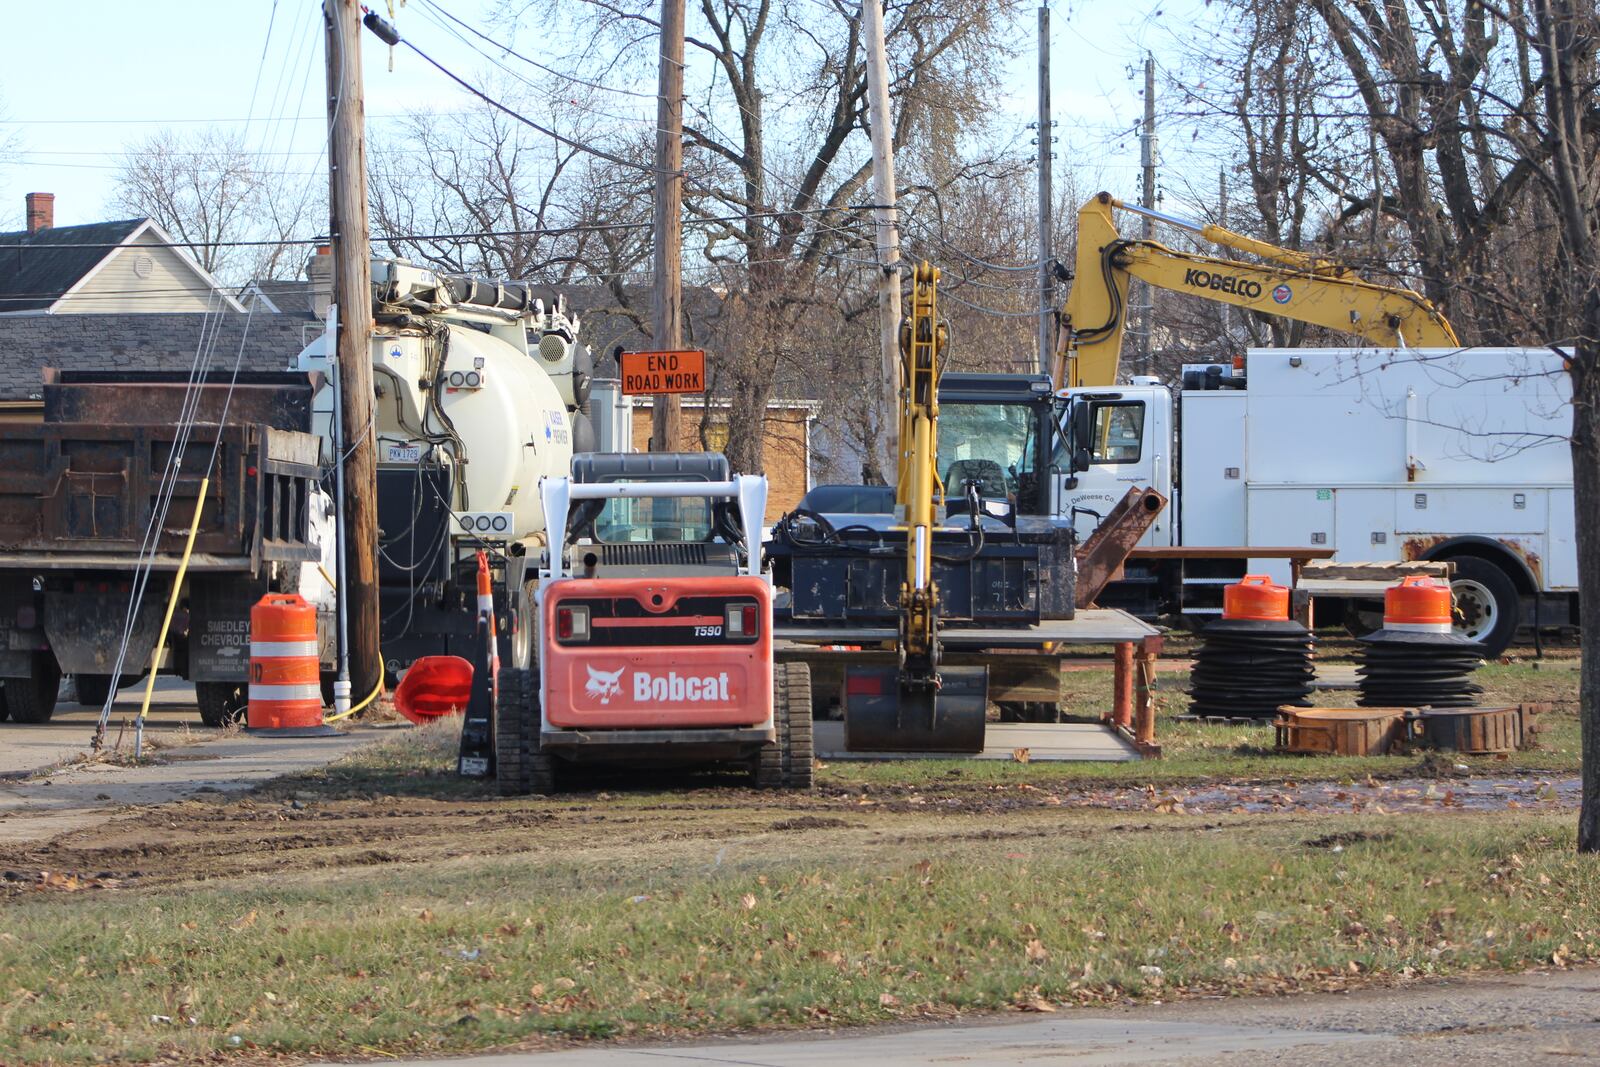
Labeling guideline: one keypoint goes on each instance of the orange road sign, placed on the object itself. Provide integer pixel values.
(663, 372)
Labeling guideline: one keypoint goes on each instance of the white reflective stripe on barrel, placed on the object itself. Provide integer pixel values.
(306, 691)
(1417, 627)
(272, 649)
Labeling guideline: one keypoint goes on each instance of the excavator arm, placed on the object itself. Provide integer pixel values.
(922, 340)
(1290, 285)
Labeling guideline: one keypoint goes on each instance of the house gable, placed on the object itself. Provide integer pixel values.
(144, 276)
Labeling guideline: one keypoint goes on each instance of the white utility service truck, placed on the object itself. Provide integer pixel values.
(1378, 454)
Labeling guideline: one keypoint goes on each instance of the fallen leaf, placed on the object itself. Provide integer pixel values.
(1020, 755)
(1035, 1004)
(244, 921)
(748, 902)
(888, 1000)
(425, 915)
(1036, 951)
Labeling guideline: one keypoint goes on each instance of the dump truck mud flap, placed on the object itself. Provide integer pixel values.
(881, 716)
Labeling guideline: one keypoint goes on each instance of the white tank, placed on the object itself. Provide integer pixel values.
(513, 426)
(497, 400)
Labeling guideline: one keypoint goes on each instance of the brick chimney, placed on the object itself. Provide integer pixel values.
(41, 211)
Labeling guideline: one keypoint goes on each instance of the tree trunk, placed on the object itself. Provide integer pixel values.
(1586, 507)
(747, 423)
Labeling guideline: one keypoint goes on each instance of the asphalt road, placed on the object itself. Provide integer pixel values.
(1542, 1018)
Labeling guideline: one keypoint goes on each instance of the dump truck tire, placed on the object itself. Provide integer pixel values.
(521, 768)
(33, 699)
(222, 703)
(787, 762)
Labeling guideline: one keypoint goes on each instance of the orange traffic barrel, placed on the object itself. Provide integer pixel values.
(1256, 598)
(1418, 605)
(285, 694)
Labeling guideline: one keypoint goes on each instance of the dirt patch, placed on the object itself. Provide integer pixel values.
(808, 822)
(1345, 840)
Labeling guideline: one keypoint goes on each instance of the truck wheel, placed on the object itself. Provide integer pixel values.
(521, 767)
(787, 762)
(221, 703)
(1487, 605)
(94, 688)
(522, 654)
(33, 699)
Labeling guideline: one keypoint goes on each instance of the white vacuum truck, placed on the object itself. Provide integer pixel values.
(480, 390)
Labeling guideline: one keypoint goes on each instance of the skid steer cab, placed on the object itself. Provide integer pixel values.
(654, 641)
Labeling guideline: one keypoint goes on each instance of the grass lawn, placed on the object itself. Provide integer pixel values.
(384, 907)
(1200, 752)
(905, 918)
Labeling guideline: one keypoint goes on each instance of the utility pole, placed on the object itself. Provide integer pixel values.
(1147, 198)
(666, 297)
(1046, 196)
(352, 292)
(888, 232)
(1222, 220)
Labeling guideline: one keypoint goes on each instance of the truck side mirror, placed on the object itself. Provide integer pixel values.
(1080, 460)
(1082, 430)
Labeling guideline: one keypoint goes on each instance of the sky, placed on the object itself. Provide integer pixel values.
(105, 74)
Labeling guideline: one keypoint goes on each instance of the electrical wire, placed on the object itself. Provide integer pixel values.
(492, 102)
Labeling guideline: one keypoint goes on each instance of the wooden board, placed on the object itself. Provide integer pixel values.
(1228, 552)
(1340, 731)
(1089, 626)
(1472, 731)
(1390, 572)
(1049, 743)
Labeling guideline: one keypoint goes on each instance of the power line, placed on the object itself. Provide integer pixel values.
(486, 98)
(553, 231)
(533, 62)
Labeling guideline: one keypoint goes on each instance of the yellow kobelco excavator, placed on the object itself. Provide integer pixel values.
(1290, 285)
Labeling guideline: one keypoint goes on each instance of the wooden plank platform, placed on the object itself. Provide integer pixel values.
(1045, 742)
(1088, 626)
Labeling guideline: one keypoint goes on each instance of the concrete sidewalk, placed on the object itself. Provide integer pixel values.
(186, 758)
(1484, 1022)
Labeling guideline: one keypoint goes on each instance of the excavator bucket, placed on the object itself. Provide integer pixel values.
(881, 714)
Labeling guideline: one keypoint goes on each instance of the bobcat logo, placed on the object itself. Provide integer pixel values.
(604, 685)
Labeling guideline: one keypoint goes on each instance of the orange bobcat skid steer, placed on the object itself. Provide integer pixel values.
(654, 643)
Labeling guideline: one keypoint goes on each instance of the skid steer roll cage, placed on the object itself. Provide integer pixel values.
(749, 490)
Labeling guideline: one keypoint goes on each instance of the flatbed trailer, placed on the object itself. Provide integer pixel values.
(1024, 665)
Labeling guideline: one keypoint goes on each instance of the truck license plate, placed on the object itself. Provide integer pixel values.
(404, 454)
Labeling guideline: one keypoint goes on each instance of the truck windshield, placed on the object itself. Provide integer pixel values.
(989, 443)
(661, 519)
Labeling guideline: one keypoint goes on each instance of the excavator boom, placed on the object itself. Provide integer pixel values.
(1292, 285)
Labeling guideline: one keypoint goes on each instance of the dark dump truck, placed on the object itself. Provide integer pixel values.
(77, 495)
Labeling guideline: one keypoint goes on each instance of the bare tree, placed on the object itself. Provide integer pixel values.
(206, 191)
(484, 193)
(776, 164)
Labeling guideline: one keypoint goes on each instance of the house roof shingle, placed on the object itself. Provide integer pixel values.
(163, 341)
(50, 262)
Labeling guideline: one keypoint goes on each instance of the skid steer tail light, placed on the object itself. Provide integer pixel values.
(572, 623)
(741, 620)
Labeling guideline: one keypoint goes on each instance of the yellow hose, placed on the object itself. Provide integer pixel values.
(172, 601)
(382, 676)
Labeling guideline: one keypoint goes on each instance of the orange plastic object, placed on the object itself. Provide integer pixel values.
(1417, 603)
(1257, 599)
(285, 689)
(434, 686)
